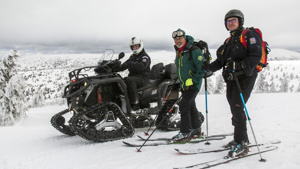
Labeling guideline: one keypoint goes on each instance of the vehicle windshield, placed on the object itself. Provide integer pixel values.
(107, 55)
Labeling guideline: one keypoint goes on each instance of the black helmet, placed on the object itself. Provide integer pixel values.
(235, 13)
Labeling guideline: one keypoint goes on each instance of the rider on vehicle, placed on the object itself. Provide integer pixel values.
(138, 66)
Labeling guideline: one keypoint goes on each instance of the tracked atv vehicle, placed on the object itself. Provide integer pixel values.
(99, 108)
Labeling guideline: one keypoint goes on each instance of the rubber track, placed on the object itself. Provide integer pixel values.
(92, 133)
(65, 129)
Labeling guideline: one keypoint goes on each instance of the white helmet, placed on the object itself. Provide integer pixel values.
(136, 41)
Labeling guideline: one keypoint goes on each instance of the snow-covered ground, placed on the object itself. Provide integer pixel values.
(35, 144)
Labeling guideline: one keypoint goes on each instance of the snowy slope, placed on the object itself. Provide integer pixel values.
(34, 144)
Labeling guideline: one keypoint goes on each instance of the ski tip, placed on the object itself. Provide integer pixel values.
(125, 143)
(276, 142)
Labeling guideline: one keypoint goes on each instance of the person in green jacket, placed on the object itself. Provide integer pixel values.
(190, 74)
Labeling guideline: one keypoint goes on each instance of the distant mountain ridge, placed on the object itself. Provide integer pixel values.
(283, 54)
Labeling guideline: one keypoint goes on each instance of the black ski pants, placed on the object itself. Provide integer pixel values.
(239, 118)
(190, 117)
(133, 83)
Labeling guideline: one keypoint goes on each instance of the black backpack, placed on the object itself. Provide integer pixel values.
(204, 48)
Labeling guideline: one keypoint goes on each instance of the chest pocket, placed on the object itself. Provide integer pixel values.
(235, 51)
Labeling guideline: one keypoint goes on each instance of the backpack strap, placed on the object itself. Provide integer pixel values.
(243, 38)
(191, 49)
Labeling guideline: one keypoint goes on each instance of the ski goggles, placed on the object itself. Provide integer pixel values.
(177, 33)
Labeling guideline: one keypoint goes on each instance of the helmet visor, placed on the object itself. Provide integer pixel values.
(135, 46)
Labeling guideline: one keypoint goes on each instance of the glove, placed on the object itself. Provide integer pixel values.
(189, 82)
(116, 65)
(228, 76)
(208, 73)
(206, 66)
(98, 69)
(125, 66)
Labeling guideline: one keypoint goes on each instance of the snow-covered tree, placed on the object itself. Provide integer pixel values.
(6, 68)
(261, 84)
(38, 99)
(284, 87)
(298, 89)
(220, 85)
(14, 101)
(291, 88)
(272, 88)
(291, 76)
(12, 97)
(210, 86)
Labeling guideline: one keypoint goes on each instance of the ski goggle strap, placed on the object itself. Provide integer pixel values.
(177, 33)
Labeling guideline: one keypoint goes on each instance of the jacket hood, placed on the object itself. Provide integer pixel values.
(190, 40)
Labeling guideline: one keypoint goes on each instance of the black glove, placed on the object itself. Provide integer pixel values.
(206, 66)
(246, 69)
(125, 65)
(116, 65)
(208, 73)
(228, 76)
(98, 69)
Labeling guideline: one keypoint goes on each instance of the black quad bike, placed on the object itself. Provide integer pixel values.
(99, 108)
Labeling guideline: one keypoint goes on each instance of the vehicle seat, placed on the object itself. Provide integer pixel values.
(156, 74)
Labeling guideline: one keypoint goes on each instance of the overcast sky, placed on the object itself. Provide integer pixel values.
(90, 26)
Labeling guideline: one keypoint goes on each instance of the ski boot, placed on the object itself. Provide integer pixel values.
(181, 137)
(238, 150)
(195, 133)
(231, 144)
(185, 137)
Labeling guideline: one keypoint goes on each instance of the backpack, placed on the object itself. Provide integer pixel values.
(204, 48)
(265, 47)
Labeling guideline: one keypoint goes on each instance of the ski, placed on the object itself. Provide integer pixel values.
(227, 159)
(172, 143)
(201, 151)
(167, 138)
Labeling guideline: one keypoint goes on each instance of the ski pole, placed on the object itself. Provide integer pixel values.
(247, 114)
(205, 82)
(146, 133)
(139, 149)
